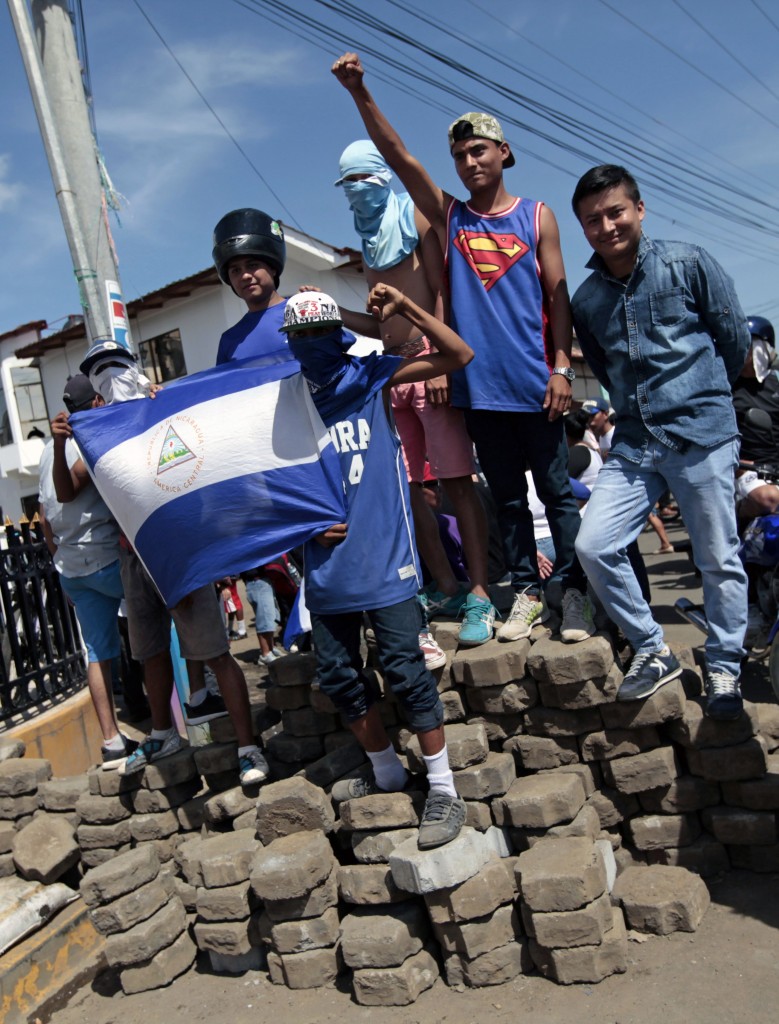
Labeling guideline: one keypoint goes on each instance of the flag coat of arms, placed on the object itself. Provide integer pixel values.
(220, 472)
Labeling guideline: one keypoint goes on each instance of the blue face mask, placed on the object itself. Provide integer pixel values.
(383, 220)
(367, 200)
(323, 359)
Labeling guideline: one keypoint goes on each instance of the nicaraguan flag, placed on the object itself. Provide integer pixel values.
(220, 472)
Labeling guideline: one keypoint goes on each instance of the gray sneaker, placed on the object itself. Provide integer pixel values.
(442, 819)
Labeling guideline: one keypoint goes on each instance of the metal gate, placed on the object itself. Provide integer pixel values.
(42, 658)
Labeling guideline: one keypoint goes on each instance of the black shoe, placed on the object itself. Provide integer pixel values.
(112, 758)
(725, 702)
(442, 819)
(212, 707)
(648, 672)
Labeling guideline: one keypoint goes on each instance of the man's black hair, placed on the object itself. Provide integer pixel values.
(575, 424)
(598, 179)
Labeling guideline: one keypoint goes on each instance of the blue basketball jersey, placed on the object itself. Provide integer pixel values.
(499, 307)
(376, 566)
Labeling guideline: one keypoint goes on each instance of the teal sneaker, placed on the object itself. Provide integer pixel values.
(438, 604)
(478, 618)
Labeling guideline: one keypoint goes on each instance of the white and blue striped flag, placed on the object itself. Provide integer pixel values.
(220, 472)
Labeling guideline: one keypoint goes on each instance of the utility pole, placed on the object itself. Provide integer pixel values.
(54, 75)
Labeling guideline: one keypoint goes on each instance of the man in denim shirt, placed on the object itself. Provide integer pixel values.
(663, 331)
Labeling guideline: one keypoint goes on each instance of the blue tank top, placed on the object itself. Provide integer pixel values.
(255, 334)
(499, 307)
(376, 566)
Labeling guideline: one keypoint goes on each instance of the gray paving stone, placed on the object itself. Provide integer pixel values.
(45, 849)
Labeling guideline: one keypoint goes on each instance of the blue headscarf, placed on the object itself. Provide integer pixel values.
(383, 219)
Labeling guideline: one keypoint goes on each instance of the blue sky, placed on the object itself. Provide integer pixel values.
(714, 138)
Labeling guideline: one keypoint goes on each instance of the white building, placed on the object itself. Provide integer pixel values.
(175, 330)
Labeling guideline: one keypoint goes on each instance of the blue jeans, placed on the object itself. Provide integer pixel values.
(702, 479)
(260, 596)
(341, 672)
(508, 443)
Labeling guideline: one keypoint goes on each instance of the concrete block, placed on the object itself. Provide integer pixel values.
(227, 805)
(499, 727)
(18, 808)
(287, 698)
(214, 758)
(756, 794)
(308, 722)
(306, 934)
(656, 831)
(320, 701)
(145, 827)
(7, 833)
(292, 805)
(104, 810)
(561, 874)
(542, 721)
(312, 969)
(380, 811)
(466, 744)
(62, 794)
(231, 938)
(496, 967)
(335, 764)
(589, 774)
(685, 794)
(586, 823)
(223, 963)
(369, 884)
(171, 771)
(534, 753)
(291, 866)
(45, 849)
(226, 859)
(424, 871)
(102, 783)
(227, 903)
(736, 826)
(125, 912)
(763, 859)
(21, 775)
(584, 927)
(694, 729)
(12, 749)
(479, 896)
(550, 661)
(588, 693)
(473, 938)
(187, 858)
(507, 699)
(146, 939)
(478, 815)
(661, 899)
(705, 856)
(154, 801)
(396, 986)
(94, 858)
(166, 965)
(454, 709)
(665, 705)
(649, 770)
(94, 837)
(585, 964)
(294, 670)
(606, 849)
(383, 939)
(536, 801)
(730, 764)
(376, 847)
(313, 904)
(295, 749)
(490, 665)
(192, 813)
(121, 875)
(613, 807)
(605, 744)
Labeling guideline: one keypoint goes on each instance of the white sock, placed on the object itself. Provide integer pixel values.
(161, 734)
(242, 630)
(439, 774)
(197, 698)
(115, 744)
(247, 750)
(388, 769)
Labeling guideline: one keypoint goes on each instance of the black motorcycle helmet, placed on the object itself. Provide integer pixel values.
(759, 327)
(249, 232)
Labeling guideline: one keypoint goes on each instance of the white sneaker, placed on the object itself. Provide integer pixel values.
(525, 613)
(253, 767)
(434, 656)
(267, 659)
(578, 621)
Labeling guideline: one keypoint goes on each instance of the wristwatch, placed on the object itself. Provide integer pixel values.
(566, 371)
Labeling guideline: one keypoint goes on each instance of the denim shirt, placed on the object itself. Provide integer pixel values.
(666, 344)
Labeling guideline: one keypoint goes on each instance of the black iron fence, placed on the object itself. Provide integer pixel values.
(42, 658)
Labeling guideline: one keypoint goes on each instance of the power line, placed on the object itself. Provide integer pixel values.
(218, 119)
(765, 14)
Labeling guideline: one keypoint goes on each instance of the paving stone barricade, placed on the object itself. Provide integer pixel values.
(585, 818)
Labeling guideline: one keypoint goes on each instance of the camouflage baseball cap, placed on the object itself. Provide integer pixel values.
(476, 124)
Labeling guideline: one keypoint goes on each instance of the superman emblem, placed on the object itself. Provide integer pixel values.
(490, 255)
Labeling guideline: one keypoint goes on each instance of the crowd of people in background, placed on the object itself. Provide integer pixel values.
(469, 402)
